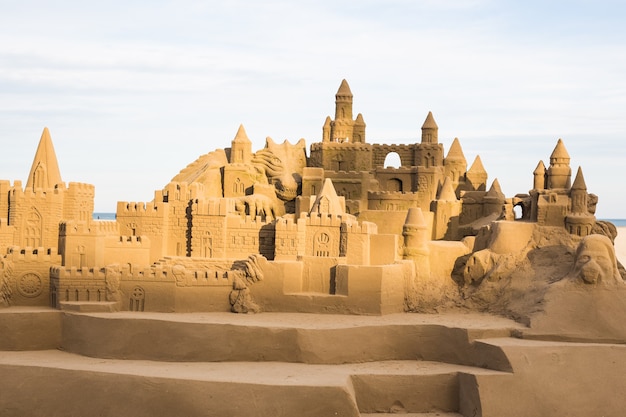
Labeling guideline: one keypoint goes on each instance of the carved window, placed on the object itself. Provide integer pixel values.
(322, 245)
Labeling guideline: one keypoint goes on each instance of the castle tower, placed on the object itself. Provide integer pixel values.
(430, 130)
(343, 102)
(559, 172)
(578, 194)
(429, 153)
(579, 221)
(494, 199)
(238, 175)
(447, 209)
(455, 163)
(44, 172)
(539, 173)
(344, 129)
(476, 176)
(241, 148)
(415, 233)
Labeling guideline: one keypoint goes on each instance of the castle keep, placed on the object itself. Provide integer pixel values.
(338, 230)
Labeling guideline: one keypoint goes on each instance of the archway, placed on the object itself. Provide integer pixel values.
(392, 160)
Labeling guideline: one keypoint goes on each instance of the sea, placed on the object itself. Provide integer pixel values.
(104, 216)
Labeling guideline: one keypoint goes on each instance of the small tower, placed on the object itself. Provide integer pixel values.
(539, 173)
(241, 148)
(476, 176)
(579, 221)
(344, 129)
(415, 233)
(430, 130)
(44, 172)
(455, 163)
(559, 172)
(447, 209)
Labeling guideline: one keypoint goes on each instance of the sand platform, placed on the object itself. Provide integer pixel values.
(59, 363)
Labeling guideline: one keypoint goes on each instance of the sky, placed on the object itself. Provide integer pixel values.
(133, 91)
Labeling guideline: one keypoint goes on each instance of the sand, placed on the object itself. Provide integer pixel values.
(620, 245)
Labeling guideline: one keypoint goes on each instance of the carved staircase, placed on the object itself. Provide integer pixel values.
(57, 363)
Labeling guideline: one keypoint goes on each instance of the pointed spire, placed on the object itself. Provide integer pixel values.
(44, 172)
(447, 191)
(541, 169)
(344, 89)
(359, 120)
(579, 181)
(477, 166)
(327, 201)
(241, 136)
(495, 189)
(559, 152)
(430, 123)
(455, 153)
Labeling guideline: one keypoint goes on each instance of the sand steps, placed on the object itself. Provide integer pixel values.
(271, 364)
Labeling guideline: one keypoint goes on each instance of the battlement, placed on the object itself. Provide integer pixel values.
(340, 175)
(394, 148)
(215, 207)
(101, 227)
(18, 253)
(368, 228)
(357, 147)
(139, 209)
(247, 222)
(399, 170)
(332, 220)
(289, 224)
(392, 195)
(82, 188)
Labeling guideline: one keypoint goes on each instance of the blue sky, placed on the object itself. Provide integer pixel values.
(133, 91)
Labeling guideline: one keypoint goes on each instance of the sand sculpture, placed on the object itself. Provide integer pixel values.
(337, 232)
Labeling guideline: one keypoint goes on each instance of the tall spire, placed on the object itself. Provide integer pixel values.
(44, 173)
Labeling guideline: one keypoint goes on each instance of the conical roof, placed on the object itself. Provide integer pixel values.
(359, 120)
(455, 153)
(241, 136)
(447, 191)
(579, 181)
(344, 89)
(44, 172)
(559, 151)
(430, 123)
(541, 169)
(495, 189)
(477, 166)
(415, 217)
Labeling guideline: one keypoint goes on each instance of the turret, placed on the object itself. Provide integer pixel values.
(416, 239)
(476, 176)
(430, 130)
(455, 163)
(559, 173)
(241, 148)
(579, 221)
(343, 102)
(539, 173)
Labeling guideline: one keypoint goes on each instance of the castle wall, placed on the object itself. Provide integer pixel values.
(145, 219)
(28, 273)
(333, 156)
(405, 152)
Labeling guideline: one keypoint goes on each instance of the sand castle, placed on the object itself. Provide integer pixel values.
(275, 231)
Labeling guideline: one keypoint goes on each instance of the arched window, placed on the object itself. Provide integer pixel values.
(392, 160)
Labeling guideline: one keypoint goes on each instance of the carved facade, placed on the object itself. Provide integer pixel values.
(316, 221)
